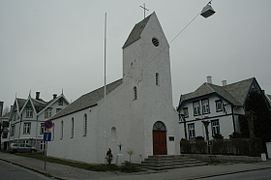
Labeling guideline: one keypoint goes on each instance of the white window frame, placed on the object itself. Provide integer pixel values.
(215, 127)
(186, 112)
(205, 106)
(29, 112)
(191, 131)
(196, 108)
(217, 104)
(27, 128)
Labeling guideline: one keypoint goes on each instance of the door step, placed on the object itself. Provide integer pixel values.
(161, 162)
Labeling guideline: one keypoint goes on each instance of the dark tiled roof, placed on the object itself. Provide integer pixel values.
(88, 100)
(38, 104)
(235, 93)
(21, 103)
(239, 90)
(136, 32)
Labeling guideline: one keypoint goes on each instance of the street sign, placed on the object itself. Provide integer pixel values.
(47, 136)
(48, 124)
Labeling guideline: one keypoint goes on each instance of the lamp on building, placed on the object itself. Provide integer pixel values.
(207, 10)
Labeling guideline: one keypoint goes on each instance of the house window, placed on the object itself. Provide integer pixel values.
(85, 124)
(58, 109)
(42, 128)
(62, 130)
(60, 102)
(135, 93)
(215, 127)
(29, 112)
(157, 79)
(218, 105)
(205, 106)
(53, 133)
(185, 112)
(191, 131)
(27, 127)
(12, 130)
(72, 130)
(48, 113)
(196, 106)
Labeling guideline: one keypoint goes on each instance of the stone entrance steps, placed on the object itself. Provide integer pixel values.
(170, 162)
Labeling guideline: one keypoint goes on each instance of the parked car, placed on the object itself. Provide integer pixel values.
(18, 147)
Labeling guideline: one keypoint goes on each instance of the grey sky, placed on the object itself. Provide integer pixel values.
(49, 45)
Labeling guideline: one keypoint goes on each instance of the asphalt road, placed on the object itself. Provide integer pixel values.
(12, 172)
(251, 175)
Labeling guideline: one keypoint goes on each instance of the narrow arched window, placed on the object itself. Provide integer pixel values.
(157, 79)
(72, 128)
(135, 93)
(85, 125)
(62, 130)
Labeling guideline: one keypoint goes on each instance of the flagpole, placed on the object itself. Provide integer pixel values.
(105, 22)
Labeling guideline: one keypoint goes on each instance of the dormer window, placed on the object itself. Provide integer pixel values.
(218, 106)
(60, 102)
(48, 113)
(28, 112)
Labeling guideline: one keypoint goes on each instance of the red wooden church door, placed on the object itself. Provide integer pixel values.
(159, 136)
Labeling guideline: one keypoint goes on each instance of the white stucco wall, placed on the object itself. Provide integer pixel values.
(132, 119)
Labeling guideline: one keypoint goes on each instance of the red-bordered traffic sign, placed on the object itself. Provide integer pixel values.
(48, 124)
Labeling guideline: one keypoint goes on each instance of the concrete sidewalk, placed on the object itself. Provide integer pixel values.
(66, 172)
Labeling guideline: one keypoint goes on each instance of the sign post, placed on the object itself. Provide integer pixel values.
(47, 137)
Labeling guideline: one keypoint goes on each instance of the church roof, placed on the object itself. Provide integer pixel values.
(136, 32)
(234, 93)
(88, 100)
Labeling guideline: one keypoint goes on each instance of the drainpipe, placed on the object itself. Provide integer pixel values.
(36, 141)
(20, 125)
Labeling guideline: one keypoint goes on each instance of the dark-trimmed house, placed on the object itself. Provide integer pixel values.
(222, 106)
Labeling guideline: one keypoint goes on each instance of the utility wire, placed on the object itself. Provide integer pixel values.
(193, 19)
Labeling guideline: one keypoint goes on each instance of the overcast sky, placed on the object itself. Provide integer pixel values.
(47, 45)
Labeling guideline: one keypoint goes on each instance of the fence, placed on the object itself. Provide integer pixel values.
(236, 146)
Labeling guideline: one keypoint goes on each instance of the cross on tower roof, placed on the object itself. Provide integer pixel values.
(145, 9)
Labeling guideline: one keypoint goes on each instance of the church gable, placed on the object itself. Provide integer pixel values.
(136, 32)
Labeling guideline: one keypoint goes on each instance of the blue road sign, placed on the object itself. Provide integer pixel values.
(47, 136)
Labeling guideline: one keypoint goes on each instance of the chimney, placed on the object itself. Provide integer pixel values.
(209, 79)
(54, 96)
(37, 95)
(224, 82)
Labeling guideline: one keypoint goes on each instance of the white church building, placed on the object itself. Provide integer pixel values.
(137, 113)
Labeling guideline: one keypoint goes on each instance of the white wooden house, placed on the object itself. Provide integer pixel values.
(222, 106)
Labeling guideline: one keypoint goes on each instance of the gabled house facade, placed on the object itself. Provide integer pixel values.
(221, 106)
(28, 116)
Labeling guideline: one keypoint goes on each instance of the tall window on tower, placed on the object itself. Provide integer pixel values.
(157, 79)
(135, 93)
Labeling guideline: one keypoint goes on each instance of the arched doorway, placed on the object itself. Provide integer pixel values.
(159, 136)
